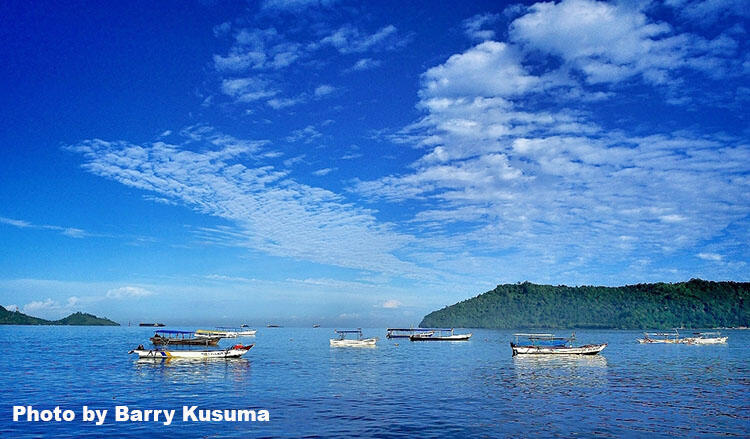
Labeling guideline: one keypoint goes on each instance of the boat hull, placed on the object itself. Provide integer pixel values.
(591, 349)
(457, 337)
(353, 343)
(712, 340)
(234, 352)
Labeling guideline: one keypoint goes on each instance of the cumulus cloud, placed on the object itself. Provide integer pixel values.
(51, 306)
(714, 257)
(515, 156)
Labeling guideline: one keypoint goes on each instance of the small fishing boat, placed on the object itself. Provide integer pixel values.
(235, 351)
(225, 332)
(548, 344)
(343, 341)
(405, 332)
(705, 338)
(316, 326)
(271, 325)
(165, 337)
(439, 334)
(151, 324)
(660, 337)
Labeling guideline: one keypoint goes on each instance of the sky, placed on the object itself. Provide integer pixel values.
(356, 163)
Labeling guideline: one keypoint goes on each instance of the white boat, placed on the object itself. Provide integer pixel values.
(225, 332)
(660, 337)
(235, 351)
(439, 334)
(548, 344)
(705, 338)
(405, 332)
(342, 341)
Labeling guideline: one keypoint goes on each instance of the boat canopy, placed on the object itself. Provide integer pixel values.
(168, 331)
(348, 331)
(416, 329)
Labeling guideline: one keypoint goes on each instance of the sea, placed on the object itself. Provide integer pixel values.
(398, 389)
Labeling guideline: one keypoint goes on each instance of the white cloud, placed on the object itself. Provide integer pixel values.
(322, 172)
(324, 90)
(248, 89)
(128, 292)
(295, 5)
(50, 306)
(714, 257)
(349, 39)
(474, 27)
(268, 210)
(610, 43)
(391, 304)
(15, 222)
(366, 64)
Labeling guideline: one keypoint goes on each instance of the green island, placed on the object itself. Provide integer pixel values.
(75, 319)
(694, 304)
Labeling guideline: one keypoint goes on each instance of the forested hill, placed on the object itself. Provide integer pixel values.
(693, 304)
(76, 319)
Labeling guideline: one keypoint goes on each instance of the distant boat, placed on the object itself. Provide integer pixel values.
(660, 337)
(151, 324)
(343, 341)
(705, 338)
(405, 332)
(225, 332)
(235, 351)
(548, 344)
(167, 337)
(316, 326)
(674, 338)
(271, 325)
(439, 334)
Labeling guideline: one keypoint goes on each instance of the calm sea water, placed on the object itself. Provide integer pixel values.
(398, 389)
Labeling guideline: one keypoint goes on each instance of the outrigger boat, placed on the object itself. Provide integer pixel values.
(705, 338)
(235, 351)
(439, 334)
(405, 332)
(342, 341)
(548, 344)
(165, 337)
(225, 332)
(660, 337)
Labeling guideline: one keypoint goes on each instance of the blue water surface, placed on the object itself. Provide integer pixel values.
(473, 389)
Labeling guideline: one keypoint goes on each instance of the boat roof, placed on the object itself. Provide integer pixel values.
(169, 331)
(347, 331)
(420, 329)
(662, 333)
(537, 335)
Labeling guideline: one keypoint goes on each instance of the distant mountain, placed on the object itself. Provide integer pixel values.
(76, 319)
(693, 304)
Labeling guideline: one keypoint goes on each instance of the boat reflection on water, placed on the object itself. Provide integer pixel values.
(192, 371)
(546, 371)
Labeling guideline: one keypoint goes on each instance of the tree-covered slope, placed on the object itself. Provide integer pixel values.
(76, 319)
(693, 304)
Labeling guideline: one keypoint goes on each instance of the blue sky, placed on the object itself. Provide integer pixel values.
(363, 163)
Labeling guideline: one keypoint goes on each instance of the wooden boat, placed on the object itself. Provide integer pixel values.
(548, 344)
(165, 337)
(705, 338)
(342, 341)
(660, 337)
(405, 332)
(151, 324)
(439, 334)
(225, 332)
(235, 351)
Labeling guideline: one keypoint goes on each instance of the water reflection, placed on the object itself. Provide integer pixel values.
(194, 370)
(560, 370)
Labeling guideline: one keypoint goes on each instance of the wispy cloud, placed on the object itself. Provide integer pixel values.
(71, 232)
(128, 292)
(269, 211)
(350, 39)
